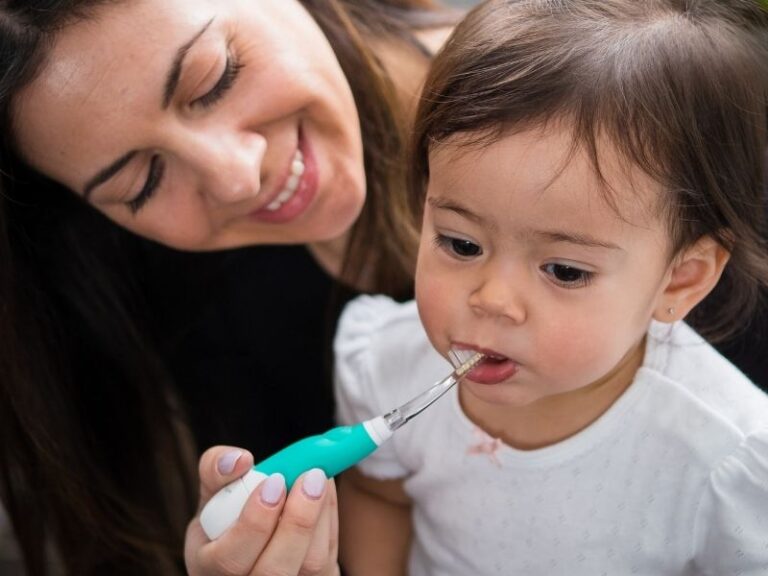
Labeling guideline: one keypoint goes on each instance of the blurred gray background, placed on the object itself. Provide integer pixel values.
(461, 3)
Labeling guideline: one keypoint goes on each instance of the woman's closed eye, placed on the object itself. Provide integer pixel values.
(458, 247)
(223, 85)
(568, 276)
(154, 177)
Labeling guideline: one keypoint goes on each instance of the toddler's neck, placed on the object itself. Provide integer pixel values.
(555, 418)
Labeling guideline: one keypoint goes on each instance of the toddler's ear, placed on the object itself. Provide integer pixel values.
(693, 275)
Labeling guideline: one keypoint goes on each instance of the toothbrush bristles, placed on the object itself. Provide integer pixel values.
(468, 365)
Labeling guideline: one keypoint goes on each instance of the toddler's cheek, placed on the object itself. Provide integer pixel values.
(574, 357)
(436, 324)
(435, 303)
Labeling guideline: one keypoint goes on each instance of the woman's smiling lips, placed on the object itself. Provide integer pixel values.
(297, 189)
(492, 369)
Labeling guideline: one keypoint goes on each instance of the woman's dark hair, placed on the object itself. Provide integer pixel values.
(95, 454)
(384, 238)
(680, 87)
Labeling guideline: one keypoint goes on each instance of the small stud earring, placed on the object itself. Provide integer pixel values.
(671, 310)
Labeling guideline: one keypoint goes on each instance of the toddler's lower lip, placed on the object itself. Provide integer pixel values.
(492, 371)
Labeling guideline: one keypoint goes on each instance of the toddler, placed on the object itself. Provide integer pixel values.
(591, 172)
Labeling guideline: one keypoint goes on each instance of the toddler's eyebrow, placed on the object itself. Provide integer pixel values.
(574, 238)
(446, 204)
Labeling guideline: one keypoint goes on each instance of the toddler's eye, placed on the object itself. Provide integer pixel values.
(465, 247)
(458, 246)
(568, 276)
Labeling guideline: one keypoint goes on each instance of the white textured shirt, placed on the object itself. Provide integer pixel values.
(671, 480)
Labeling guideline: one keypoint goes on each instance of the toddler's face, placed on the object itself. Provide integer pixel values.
(522, 257)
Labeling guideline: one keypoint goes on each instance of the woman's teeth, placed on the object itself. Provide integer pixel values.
(297, 169)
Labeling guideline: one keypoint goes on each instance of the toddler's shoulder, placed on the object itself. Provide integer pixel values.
(733, 511)
(377, 319)
(702, 404)
(381, 330)
(383, 358)
(706, 378)
(382, 342)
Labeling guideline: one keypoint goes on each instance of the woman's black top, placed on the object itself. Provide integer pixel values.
(749, 349)
(248, 335)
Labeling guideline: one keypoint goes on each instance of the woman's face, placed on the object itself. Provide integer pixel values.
(201, 124)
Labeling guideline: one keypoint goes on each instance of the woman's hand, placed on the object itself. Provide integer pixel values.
(274, 535)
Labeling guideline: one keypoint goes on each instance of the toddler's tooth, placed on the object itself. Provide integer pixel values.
(284, 195)
(297, 167)
(274, 206)
(293, 182)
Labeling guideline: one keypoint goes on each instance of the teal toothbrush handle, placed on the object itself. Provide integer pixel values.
(333, 452)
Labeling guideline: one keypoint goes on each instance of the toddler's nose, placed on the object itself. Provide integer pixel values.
(498, 298)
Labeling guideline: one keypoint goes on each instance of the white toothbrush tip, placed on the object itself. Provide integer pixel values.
(469, 364)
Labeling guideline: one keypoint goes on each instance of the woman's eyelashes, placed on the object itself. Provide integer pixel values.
(458, 247)
(154, 177)
(568, 276)
(225, 83)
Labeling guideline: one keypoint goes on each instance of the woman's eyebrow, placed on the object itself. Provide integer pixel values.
(172, 80)
(171, 84)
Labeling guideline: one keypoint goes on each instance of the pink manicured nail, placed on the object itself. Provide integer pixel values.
(272, 489)
(226, 463)
(314, 483)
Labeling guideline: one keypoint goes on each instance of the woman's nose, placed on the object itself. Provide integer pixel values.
(499, 297)
(231, 167)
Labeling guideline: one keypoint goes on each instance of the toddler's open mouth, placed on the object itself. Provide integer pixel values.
(492, 369)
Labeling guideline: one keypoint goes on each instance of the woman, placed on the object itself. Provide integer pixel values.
(196, 126)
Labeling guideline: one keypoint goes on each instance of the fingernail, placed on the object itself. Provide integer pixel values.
(226, 463)
(314, 483)
(272, 489)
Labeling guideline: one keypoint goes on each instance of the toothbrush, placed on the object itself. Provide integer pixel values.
(333, 451)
